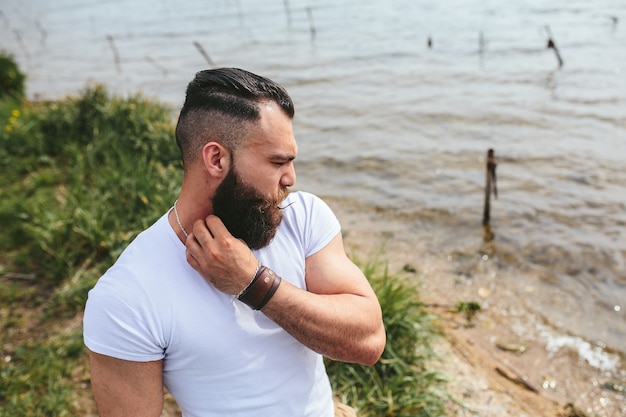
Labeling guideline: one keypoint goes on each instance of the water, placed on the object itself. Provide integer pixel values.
(389, 124)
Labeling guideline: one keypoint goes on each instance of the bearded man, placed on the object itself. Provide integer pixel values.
(234, 296)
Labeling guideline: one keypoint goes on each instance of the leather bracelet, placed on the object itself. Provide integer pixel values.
(271, 291)
(261, 289)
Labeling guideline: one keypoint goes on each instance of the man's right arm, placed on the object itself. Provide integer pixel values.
(125, 388)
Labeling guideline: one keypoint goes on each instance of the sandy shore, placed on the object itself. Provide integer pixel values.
(497, 363)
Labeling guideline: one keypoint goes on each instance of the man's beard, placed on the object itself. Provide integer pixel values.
(246, 213)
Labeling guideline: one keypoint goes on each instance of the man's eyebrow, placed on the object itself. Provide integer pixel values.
(283, 157)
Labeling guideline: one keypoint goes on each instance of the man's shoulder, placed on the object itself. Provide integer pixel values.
(149, 242)
(309, 217)
(303, 200)
(150, 253)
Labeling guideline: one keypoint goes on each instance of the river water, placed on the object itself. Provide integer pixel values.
(392, 125)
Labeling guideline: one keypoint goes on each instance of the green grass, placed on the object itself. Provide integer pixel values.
(36, 378)
(82, 176)
(79, 178)
(403, 382)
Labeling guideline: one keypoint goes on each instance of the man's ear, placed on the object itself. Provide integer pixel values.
(216, 159)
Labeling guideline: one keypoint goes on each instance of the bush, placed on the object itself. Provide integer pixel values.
(11, 78)
(80, 177)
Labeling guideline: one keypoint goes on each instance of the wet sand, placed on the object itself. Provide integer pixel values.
(498, 363)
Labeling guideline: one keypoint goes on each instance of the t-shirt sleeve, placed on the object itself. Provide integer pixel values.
(321, 224)
(120, 322)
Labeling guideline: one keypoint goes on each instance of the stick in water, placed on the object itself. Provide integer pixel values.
(490, 185)
(116, 57)
(42, 31)
(156, 65)
(481, 43)
(18, 37)
(309, 13)
(552, 45)
(204, 54)
(288, 12)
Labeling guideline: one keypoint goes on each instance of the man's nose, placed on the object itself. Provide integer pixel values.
(289, 177)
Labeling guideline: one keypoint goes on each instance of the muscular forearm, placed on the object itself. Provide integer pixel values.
(345, 327)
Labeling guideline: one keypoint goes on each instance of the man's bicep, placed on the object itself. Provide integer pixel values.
(125, 388)
(330, 271)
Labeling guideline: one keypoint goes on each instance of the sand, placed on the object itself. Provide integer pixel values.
(499, 362)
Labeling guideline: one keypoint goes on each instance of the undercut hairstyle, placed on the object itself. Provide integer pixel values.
(222, 105)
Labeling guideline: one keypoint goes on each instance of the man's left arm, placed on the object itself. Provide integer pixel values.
(339, 316)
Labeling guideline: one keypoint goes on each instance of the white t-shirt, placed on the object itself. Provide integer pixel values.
(220, 357)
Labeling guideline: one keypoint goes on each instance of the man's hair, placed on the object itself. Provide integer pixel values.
(222, 105)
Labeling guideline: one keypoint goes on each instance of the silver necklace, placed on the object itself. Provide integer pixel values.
(178, 220)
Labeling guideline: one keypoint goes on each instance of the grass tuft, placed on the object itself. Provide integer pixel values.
(401, 383)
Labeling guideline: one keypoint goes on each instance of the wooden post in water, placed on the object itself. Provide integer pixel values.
(42, 31)
(481, 43)
(116, 56)
(552, 45)
(288, 12)
(203, 53)
(490, 185)
(614, 21)
(156, 65)
(309, 14)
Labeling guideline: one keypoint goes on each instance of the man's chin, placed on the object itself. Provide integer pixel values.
(261, 242)
(256, 232)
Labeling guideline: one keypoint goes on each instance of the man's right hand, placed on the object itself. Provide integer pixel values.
(223, 260)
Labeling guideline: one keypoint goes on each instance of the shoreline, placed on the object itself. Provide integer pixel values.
(504, 361)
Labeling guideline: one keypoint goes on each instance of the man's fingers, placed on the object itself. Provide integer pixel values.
(215, 226)
(191, 260)
(193, 248)
(201, 235)
(208, 229)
